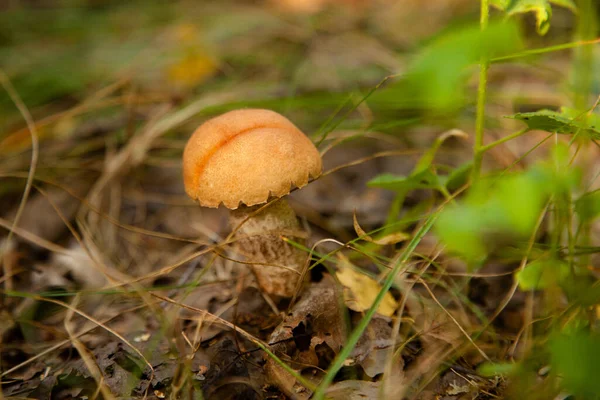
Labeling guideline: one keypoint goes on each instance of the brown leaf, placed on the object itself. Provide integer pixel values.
(375, 347)
(353, 390)
(314, 332)
(308, 338)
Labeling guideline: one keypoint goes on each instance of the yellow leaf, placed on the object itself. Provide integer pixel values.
(392, 238)
(186, 33)
(361, 290)
(191, 69)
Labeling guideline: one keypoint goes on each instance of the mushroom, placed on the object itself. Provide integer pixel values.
(244, 159)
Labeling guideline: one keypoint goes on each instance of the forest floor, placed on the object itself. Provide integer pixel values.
(114, 284)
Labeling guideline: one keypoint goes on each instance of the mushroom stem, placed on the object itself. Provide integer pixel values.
(279, 265)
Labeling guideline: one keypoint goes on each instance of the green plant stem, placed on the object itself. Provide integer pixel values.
(338, 362)
(481, 94)
(485, 148)
(544, 50)
(584, 56)
(583, 80)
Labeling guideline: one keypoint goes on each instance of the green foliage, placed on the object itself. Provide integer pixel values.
(52, 55)
(459, 176)
(576, 360)
(492, 213)
(581, 290)
(489, 369)
(588, 205)
(543, 274)
(423, 175)
(568, 121)
(557, 174)
(505, 211)
(541, 8)
(436, 76)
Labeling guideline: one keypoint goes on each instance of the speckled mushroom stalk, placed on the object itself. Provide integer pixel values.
(279, 264)
(241, 159)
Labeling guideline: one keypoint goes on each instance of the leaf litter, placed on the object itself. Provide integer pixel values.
(163, 309)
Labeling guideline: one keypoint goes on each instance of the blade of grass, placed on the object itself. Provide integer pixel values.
(338, 362)
(352, 109)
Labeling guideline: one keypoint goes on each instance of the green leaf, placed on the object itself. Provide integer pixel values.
(491, 214)
(568, 121)
(541, 9)
(490, 369)
(558, 177)
(519, 200)
(459, 176)
(588, 205)
(436, 77)
(575, 358)
(460, 229)
(581, 290)
(501, 4)
(570, 4)
(542, 274)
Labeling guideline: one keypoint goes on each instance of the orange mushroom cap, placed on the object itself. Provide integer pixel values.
(246, 156)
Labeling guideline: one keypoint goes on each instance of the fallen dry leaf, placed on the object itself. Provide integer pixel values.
(353, 390)
(392, 238)
(360, 290)
(314, 332)
(308, 338)
(374, 347)
(81, 267)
